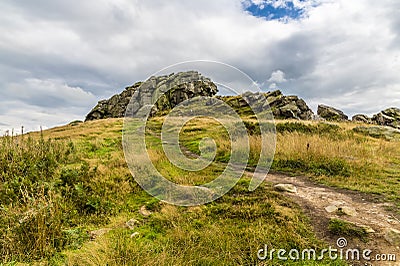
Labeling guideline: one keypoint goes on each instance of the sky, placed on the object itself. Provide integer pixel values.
(58, 58)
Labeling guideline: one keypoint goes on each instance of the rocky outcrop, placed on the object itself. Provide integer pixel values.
(389, 117)
(289, 107)
(282, 107)
(173, 88)
(113, 107)
(170, 90)
(361, 119)
(331, 114)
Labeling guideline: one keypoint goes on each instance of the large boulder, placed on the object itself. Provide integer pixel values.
(170, 90)
(290, 107)
(331, 114)
(361, 119)
(282, 107)
(389, 117)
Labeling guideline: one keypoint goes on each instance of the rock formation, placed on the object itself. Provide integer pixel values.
(113, 107)
(173, 88)
(288, 107)
(170, 90)
(361, 118)
(282, 107)
(331, 114)
(389, 117)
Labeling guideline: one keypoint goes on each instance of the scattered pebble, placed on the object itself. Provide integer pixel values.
(286, 188)
(134, 234)
(331, 208)
(350, 211)
(143, 211)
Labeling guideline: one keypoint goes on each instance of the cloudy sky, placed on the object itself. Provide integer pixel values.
(59, 57)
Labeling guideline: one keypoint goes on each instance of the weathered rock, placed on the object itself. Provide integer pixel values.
(331, 208)
(143, 211)
(170, 90)
(331, 114)
(113, 107)
(291, 107)
(346, 210)
(389, 117)
(361, 118)
(282, 107)
(286, 188)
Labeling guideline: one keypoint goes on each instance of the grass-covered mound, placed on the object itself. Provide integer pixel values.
(58, 187)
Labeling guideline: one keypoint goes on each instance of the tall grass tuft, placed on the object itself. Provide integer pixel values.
(31, 212)
(41, 202)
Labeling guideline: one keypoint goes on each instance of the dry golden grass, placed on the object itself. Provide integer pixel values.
(230, 230)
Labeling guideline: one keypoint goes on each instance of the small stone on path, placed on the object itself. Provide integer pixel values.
(286, 188)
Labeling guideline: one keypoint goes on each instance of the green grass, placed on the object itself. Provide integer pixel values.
(50, 193)
(343, 228)
(330, 153)
(228, 231)
(58, 187)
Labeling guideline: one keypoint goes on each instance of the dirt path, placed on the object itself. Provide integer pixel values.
(321, 203)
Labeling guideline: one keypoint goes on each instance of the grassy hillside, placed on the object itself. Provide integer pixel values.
(66, 194)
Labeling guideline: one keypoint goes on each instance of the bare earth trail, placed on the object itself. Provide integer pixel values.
(319, 203)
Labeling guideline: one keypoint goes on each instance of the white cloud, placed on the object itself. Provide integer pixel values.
(48, 93)
(277, 76)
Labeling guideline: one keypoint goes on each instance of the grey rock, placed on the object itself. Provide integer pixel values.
(389, 117)
(361, 118)
(331, 208)
(331, 114)
(346, 210)
(282, 107)
(289, 107)
(286, 188)
(164, 92)
(143, 211)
